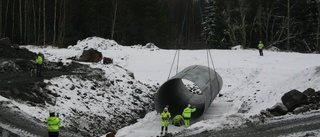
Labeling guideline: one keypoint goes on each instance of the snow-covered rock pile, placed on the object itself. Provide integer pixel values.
(238, 47)
(150, 46)
(95, 43)
(98, 43)
(100, 101)
(295, 102)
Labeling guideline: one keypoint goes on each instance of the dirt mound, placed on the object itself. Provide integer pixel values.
(13, 58)
(16, 81)
(9, 50)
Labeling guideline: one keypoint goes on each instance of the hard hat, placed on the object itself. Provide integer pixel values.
(165, 109)
(189, 105)
(51, 111)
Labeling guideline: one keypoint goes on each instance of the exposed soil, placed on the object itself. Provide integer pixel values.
(17, 83)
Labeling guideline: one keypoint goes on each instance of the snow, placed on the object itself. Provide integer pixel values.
(251, 81)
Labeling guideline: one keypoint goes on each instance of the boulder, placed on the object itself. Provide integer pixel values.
(266, 113)
(91, 55)
(294, 99)
(278, 109)
(111, 134)
(301, 109)
(315, 97)
(107, 60)
(309, 92)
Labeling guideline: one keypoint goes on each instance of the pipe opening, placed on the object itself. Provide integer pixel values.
(194, 85)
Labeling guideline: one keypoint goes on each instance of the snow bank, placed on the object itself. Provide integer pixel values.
(96, 43)
(106, 44)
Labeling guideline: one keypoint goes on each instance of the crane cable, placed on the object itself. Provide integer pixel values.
(177, 53)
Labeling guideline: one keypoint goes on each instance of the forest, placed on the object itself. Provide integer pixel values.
(288, 25)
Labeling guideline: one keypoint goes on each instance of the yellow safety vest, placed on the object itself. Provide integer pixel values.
(53, 123)
(39, 60)
(187, 112)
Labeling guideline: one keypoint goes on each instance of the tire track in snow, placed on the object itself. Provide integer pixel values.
(18, 123)
(10, 130)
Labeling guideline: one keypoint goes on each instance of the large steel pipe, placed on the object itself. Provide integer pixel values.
(175, 93)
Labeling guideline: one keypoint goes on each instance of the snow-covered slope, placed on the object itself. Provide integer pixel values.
(258, 82)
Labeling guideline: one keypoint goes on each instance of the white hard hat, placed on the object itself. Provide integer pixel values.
(189, 105)
(165, 109)
(51, 111)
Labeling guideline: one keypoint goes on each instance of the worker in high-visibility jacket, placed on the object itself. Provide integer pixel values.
(165, 116)
(260, 47)
(39, 61)
(54, 123)
(178, 120)
(187, 115)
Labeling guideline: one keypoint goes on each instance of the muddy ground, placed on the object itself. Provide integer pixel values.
(18, 83)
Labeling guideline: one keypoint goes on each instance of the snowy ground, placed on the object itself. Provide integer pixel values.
(248, 78)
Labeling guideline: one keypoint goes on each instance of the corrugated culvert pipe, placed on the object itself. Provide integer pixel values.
(177, 95)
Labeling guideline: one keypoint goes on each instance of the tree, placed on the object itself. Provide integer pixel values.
(6, 18)
(13, 19)
(214, 25)
(288, 24)
(318, 27)
(114, 17)
(20, 19)
(44, 22)
(54, 23)
(0, 19)
(61, 24)
(34, 23)
(25, 21)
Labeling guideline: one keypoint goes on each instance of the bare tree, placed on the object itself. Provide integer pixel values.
(6, 17)
(44, 22)
(20, 19)
(34, 22)
(243, 9)
(227, 15)
(318, 26)
(114, 17)
(288, 24)
(39, 22)
(61, 24)
(25, 20)
(54, 23)
(13, 21)
(0, 18)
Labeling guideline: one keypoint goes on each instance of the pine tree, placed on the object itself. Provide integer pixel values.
(214, 26)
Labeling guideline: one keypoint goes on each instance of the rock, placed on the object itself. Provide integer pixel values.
(278, 109)
(309, 92)
(91, 55)
(131, 74)
(315, 97)
(301, 109)
(245, 107)
(294, 99)
(107, 60)
(313, 106)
